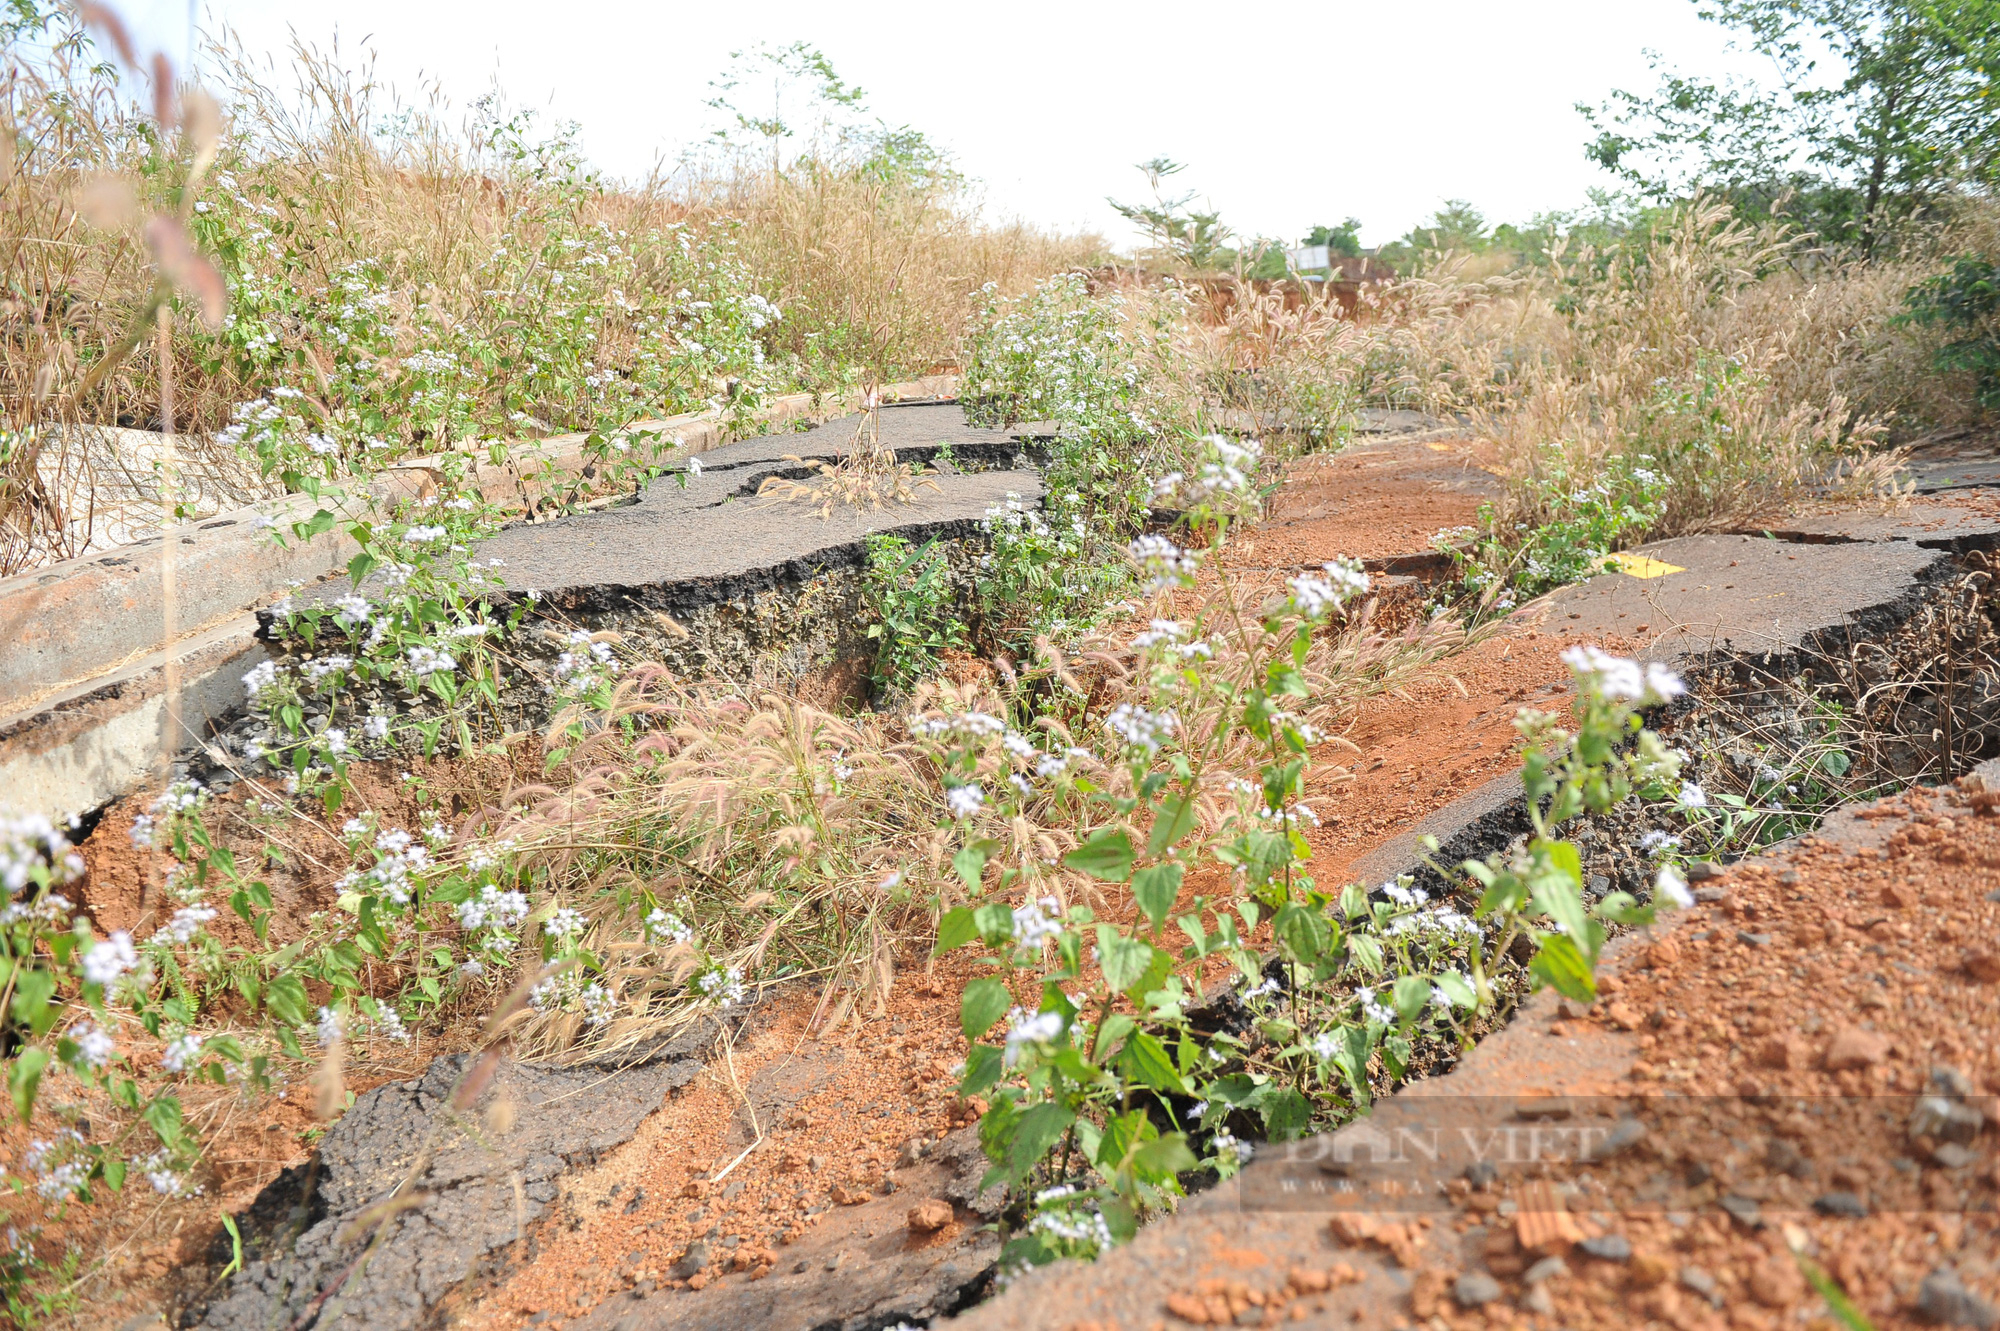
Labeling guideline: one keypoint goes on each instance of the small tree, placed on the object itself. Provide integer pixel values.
(1909, 117)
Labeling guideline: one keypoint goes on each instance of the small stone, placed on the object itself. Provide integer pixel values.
(1188, 1308)
(1745, 1211)
(929, 1216)
(1842, 1204)
(1983, 966)
(1624, 1135)
(1944, 1299)
(1608, 1247)
(1474, 1289)
(1624, 1016)
(1708, 896)
(1549, 1268)
(1646, 1271)
(1481, 1173)
(1700, 871)
(1784, 1156)
(1749, 939)
(1781, 1052)
(1698, 1280)
(1539, 1300)
(692, 1261)
(1851, 1047)
(1251, 1316)
(1951, 1155)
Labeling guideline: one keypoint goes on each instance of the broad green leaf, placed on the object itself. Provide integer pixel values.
(1106, 855)
(1123, 960)
(970, 862)
(1162, 1158)
(1367, 952)
(1411, 993)
(985, 1001)
(995, 921)
(1122, 1134)
(1559, 898)
(1457, 988)
(286, 997)
(1156, 889)
(956, 929)
(1115, 1028)
(1174, 821)
(163, 1115)
(1561, 964)
(1286, 1114)
(25, 1078)
(1303, 931)
(983, 1066)
(1039, 1129)
(1144, 1059)
(1564, 855)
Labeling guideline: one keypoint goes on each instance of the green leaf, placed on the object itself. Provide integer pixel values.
(970, 862)
(985, 1001)
(956, 929)
(1106, 855)
(361, 566)
(163, 1115)
(286, 997)
(32, 990)
(1040, 1128)
(1411, 993)
(1163, 1157)
(1156, 889)
(1303, 931)
(983, 1066)
(1457, 988)
(1144, 1059)
(1174, 821)
(1286, 1114)
(114, 1172)
(25, 1078)
(1561, 964)
(1115, 1028)
(1123, 960)
(995, 922)
(1564, 856)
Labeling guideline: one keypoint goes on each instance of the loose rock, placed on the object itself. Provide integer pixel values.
(1851, 1047)
(1944, 1299)
(1475, 1288)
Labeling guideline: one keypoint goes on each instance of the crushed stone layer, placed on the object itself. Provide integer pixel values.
(1802, 1065)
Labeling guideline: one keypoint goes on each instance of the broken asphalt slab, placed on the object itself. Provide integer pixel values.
(1697, 600)
(492, 1171)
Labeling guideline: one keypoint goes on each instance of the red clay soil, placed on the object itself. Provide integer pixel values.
(1752, 1089)
(1374, 500)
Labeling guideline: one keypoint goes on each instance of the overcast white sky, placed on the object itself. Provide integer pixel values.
(1286, 114)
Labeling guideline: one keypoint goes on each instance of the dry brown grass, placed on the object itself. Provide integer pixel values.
(325, 168)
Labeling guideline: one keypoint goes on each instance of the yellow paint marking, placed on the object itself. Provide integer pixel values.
(1638, 566)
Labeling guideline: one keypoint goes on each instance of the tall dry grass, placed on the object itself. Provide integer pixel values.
(1739, 366)
(876, 269)
(465, 228)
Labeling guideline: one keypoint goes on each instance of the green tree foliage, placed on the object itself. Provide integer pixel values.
(1197, 239)
(1906, 115)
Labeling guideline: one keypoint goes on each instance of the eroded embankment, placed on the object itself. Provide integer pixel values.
(864, 1218)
